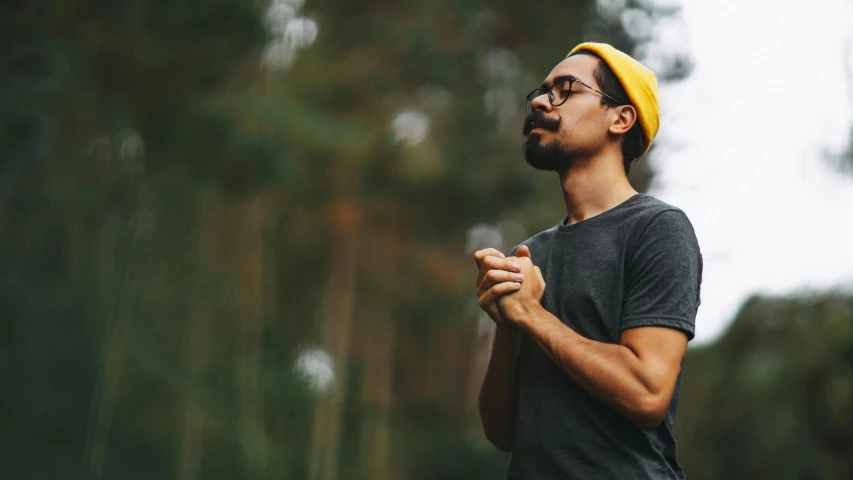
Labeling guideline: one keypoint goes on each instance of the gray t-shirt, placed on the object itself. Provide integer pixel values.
(637, 264)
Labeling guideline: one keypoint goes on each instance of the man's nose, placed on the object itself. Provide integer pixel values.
(541, 103)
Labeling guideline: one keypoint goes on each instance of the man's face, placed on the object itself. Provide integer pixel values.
(577, 128)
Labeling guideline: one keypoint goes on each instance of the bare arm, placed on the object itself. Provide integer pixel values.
(636, 377)
(498, 400)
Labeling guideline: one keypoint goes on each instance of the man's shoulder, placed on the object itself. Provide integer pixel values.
(662, 226)
(649, 207)
(650, 212)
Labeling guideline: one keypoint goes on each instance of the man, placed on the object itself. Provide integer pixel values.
(584, 375)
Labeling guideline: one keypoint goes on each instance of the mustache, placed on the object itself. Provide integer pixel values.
(538, 120)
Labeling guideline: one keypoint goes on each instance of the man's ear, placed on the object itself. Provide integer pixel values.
(626, 117)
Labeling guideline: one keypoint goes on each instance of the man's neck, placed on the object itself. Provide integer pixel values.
(593, 187)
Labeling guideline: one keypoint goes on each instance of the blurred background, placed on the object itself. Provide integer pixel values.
(236, 237)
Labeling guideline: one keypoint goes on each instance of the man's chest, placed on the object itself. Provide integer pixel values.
(585, 284)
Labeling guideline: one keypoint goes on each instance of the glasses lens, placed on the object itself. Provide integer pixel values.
(530, 97)
(560, 92)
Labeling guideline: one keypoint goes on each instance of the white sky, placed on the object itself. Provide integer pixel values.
(741, 145)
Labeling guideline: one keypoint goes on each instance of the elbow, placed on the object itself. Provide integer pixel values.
(649, 413)
(497, 428)
(648, 422)
(502, 443)
(500, 438)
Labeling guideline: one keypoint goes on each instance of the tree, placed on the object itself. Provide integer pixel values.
(771, 398)
(188, 200)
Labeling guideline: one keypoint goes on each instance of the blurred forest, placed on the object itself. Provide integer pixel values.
(236, 237)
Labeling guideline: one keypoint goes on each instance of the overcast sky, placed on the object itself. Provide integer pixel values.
(741, 147)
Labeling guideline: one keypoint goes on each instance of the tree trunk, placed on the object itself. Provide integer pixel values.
(377, 339)
(118, 277)
(231, 240)
(339, 299)
(198, 344)
(249, 271)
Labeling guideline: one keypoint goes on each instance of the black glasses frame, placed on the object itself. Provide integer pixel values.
(551, 96)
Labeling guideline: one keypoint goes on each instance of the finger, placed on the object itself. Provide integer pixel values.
(523, 261)
(480, 255)
(539, 274)
(525, 264)
(494, 277)
(495, 263)
(491, 296)
(510, 264)
(523, 251)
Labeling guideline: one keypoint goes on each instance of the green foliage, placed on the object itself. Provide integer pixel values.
(771, 399)
(431, 452)
(135, 137)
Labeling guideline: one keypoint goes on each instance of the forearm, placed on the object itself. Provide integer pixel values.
(498, 400)
(612, 373)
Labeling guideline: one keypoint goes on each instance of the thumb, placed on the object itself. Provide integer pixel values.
(523, 251)
(539, 274)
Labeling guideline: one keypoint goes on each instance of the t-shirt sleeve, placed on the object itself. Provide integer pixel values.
(664, 276)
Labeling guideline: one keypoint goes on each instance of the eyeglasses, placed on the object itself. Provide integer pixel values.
(559, 92)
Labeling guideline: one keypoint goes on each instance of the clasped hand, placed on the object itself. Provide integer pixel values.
(506, 286)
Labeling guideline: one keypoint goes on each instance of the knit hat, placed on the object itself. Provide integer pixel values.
(639, 83)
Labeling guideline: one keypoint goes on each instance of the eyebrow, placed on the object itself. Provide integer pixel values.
(545, 86)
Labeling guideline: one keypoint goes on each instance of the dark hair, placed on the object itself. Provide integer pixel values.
(632, 144)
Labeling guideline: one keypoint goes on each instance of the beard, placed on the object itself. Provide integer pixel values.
(551, 157)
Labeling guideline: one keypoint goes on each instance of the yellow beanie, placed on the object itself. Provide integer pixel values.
(639, 83)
